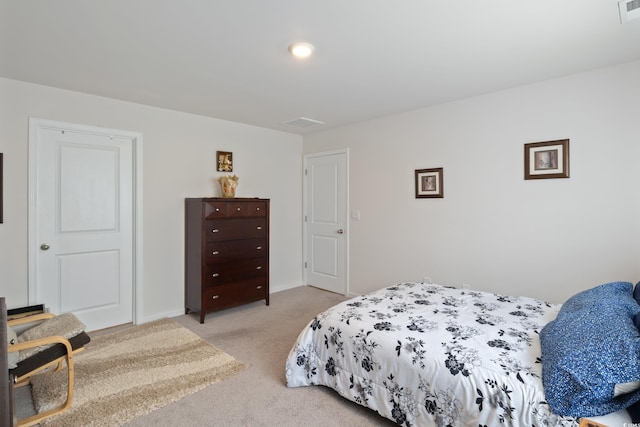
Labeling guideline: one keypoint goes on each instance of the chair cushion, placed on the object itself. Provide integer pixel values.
(66, 325)
(49, 354)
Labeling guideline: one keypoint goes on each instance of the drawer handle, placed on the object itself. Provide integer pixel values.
(215, 275)
(259, 227)
(217, 209)
(238, 209)
(259, 287)
(257, 209)
(259, 267)
(215, 230)
(258, 248)
(215, 297)
(215, 253)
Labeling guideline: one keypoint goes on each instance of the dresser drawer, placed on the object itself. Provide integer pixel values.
(234, 250)
(214, 210)
(251, 209)
(235, 229)
(217, 274)
(232, 294)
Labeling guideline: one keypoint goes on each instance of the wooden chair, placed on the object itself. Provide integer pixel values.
(60, 351)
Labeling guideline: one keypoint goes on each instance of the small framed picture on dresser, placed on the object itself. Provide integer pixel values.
(224, 161)
(429, 183)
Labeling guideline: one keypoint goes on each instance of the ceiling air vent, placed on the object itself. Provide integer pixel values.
(303, 122)
(629, 9)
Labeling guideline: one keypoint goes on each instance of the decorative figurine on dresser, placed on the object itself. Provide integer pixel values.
(226, 253)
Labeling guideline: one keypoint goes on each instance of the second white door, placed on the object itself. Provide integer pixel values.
(326, 234)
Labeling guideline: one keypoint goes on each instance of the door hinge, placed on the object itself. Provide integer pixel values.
(305, 218)
(305, 172)
(305, 264)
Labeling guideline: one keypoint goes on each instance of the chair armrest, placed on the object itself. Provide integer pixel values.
(40, 342)
(29, 319)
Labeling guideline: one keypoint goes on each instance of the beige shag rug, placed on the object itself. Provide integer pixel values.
(128, 373)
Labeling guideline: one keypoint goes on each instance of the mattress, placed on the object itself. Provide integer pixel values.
(430, 355)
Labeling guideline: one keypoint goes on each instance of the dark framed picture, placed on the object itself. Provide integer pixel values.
(548, 159)
(224, 161)
(429, 183)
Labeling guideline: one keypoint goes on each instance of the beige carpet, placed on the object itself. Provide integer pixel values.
(131, 372)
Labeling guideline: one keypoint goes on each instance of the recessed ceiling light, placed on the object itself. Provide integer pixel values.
(301, 49)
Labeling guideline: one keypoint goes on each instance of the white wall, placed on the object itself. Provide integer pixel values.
(178, 162)
(494, 230)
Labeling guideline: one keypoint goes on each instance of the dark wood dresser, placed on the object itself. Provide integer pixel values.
(226, 253)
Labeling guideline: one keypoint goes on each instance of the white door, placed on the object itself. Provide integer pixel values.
(326, 232)
(81, 222)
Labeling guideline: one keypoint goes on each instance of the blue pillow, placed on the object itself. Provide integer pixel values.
(592, 346)
(636, 292)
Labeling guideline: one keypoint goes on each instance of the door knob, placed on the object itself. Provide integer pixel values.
(341, 231)
(44, 247)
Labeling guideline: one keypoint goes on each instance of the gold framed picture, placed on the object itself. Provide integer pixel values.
(224, 161)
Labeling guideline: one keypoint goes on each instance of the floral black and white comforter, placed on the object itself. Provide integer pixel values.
(428, 355)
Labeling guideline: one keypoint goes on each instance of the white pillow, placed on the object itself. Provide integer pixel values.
(12, 339)
(624, 388)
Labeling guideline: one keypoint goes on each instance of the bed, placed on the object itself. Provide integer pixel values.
(430, 355)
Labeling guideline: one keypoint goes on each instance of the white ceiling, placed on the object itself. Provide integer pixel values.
(228, 58)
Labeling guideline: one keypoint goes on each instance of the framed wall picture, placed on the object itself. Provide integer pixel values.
(224, 161)
(548, 159)
(429, 183)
